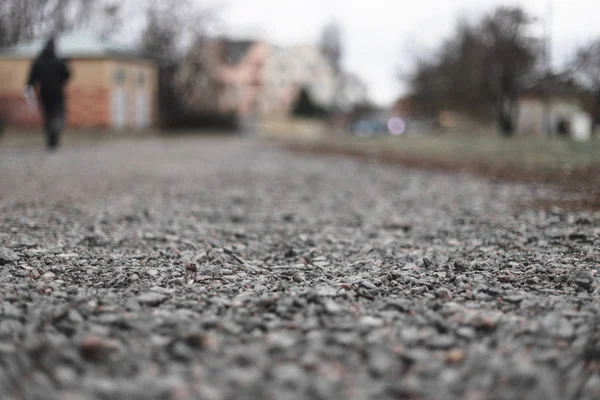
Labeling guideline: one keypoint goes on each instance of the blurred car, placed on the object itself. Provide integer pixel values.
(369, 128)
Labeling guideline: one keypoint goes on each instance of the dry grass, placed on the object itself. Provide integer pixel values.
(527, 153)
(13, 139)
(573, 166)
(32, 138)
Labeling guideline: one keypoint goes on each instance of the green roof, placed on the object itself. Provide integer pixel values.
(77, 44)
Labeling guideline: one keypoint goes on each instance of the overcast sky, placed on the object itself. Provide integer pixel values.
(379, 35)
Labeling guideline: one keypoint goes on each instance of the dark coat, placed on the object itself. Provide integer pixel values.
(51, 74)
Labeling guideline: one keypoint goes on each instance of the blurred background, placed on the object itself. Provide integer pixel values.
(313, 69)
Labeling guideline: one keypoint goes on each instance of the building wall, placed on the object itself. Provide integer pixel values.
(242, 84)
(125, 75)
(531, 117)
(13, 76)
(88, 94)
(287, 71)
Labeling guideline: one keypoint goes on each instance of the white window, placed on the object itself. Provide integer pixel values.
(120, 76)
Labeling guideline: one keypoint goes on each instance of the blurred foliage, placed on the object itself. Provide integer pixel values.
(306, 107)
(480, 69)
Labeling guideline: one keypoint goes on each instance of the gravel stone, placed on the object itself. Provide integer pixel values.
(7, 256)
(444, 294)
(441, 342)
(231, 269)
(151, 299)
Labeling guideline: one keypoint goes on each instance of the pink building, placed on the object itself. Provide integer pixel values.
(240, 74)
(257, 80)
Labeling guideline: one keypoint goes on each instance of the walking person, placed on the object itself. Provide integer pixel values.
(48, 77)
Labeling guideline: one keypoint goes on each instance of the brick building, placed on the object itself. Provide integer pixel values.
(112, 87)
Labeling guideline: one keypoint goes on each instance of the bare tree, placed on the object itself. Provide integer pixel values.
(22, 20)
(109, 19)
(159, 36)
(173, 36)
(172, 26)
(586, 69)
(159, 42)
(195, 78)
(425, 95)
(17, 21)
(481, 69)
(331, 45)
(351, 92)
(511, 55)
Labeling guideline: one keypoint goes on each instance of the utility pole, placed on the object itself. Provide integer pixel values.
(548, 70)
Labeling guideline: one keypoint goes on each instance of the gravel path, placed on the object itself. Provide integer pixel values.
(223, 269)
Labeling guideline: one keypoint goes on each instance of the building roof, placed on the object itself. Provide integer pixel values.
(76, 44)
(253, 33)
(234, 51)
(555, 85)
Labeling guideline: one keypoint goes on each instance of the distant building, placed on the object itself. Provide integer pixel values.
(258, 80)
(567, 116)
(240, 74)
(287, 71)
(556, 106)
(112, 86)
(225, 76)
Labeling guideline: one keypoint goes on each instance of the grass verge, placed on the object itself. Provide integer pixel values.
(572, 166)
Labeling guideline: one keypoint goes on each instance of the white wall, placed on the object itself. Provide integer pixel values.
(582, 127)
(531, 117)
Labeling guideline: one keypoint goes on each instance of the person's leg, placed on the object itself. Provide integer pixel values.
(51, 134)
(54, 123)
(48, 128)
(58, 124)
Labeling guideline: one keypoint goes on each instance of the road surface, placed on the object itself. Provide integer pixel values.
(228, 269)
